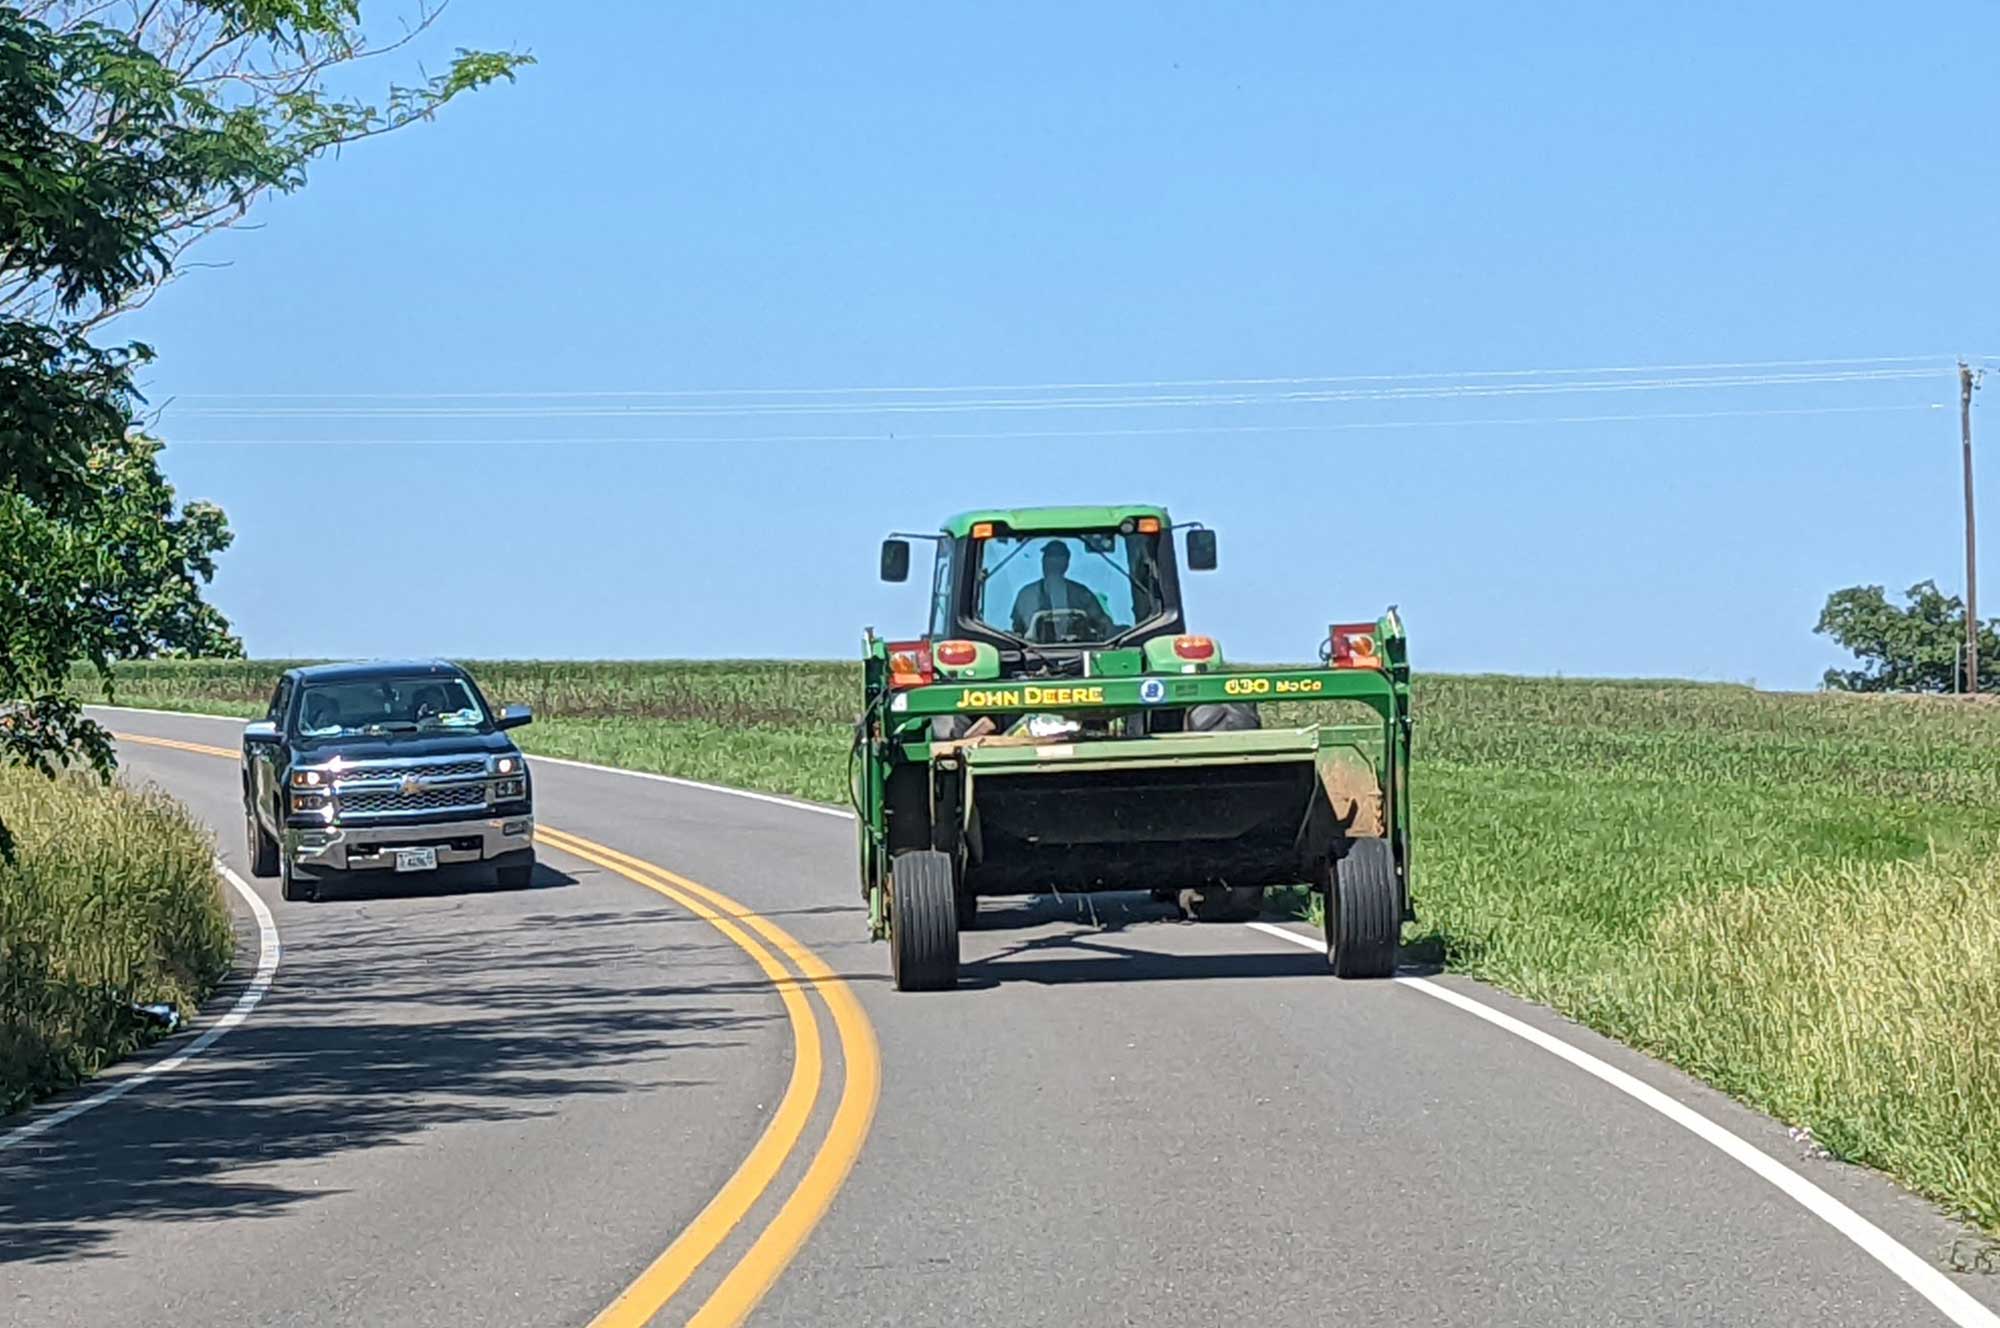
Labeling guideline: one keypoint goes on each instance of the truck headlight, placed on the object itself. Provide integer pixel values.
(503, 789)
(307, 779)
(308, 802)
(506, 765)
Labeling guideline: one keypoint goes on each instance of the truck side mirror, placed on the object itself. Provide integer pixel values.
(261, 733)
(895, 560)
(513, 716)
(1201, 550)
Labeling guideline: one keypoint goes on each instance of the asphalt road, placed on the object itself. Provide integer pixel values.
(467, 1105)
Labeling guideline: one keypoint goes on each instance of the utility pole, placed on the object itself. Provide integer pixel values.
(1971, 544)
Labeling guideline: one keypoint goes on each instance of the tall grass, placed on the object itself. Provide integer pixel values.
(1860, 999)
(111, 899)
(1790, 895)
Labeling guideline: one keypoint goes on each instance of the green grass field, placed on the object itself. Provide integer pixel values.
(1795, 897)
(111, 898)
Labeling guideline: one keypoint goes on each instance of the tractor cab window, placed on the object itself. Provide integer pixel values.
(1073, 587)
(941, 592)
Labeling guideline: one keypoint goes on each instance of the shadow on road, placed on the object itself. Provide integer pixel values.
(1081, 957)
(377, 1032)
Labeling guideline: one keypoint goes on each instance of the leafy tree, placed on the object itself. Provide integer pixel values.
(122, 144)
(1916, 648)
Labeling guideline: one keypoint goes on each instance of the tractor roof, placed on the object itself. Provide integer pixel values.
(1053, 518)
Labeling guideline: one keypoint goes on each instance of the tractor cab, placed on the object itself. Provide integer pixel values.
(1050, 592)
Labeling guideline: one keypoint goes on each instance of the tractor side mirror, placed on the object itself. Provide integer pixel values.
(1201, 550)
(895, 560)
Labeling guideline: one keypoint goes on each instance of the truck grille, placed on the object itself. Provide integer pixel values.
(397, 773)
(459, 797)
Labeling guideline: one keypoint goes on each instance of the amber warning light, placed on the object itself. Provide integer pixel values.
(1353, 646)
(910, 664)
(956, 654)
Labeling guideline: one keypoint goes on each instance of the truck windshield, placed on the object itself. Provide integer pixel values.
(380, 706)
(1070, 587)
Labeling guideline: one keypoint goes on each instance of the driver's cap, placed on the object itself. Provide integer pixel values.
(1054, 547)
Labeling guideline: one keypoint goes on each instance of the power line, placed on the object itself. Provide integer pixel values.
(1940, 361)
(995, 405)
(1016, 435)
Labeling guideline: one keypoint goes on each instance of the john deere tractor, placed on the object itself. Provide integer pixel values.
(1057, 727)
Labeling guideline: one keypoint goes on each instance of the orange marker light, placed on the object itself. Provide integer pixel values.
(982, 530)
(1149, 525)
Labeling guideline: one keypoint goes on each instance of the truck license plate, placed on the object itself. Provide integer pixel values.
(416, 859)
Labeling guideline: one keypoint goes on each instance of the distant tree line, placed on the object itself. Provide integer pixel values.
(1919, 647)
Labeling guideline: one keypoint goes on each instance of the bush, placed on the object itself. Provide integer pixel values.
(111, 899)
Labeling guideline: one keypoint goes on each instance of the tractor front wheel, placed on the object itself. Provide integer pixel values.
(1364, 917)
(923, 921)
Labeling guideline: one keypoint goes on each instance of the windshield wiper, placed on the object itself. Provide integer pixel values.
(1027, 646)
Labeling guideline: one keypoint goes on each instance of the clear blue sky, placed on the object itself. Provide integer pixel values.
(708, 196)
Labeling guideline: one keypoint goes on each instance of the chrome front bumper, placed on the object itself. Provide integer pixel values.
(373, 847)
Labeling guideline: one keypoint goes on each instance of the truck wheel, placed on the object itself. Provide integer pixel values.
(262, 848)
(295, 888)
(1363, 913)
(517, 876)
(923, 921)
(1220, 903)
(1225, 717)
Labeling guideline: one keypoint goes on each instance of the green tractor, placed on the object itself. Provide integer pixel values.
(1057, 728)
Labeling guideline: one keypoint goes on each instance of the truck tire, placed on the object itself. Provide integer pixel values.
(923, 921)
(262, 848)
(1224, 717)
(1364, 918)
(295, 888)
(515, 876)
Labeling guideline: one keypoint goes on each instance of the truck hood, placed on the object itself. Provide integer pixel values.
(405, 745)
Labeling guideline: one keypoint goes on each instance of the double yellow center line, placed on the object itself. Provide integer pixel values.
(759, 1268)
(785, 1234)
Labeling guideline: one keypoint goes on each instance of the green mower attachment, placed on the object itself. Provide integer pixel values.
(1060, 730)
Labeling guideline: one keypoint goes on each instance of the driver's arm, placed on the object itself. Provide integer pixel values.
(1095, 613)
(1021, 610)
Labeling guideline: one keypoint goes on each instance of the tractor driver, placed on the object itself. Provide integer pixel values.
(1067, 603)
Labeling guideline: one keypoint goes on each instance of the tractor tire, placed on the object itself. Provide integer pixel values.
(262, 848)
(1226, 717)
(968, 910)
(1364, 917)
(1222, 903)
(923, 921)
(295, 888)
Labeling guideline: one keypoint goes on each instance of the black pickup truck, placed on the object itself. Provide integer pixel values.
(393, 766)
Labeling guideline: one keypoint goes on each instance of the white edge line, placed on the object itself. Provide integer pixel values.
(772, 798)
(246, 1001)
(1952, 1300)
